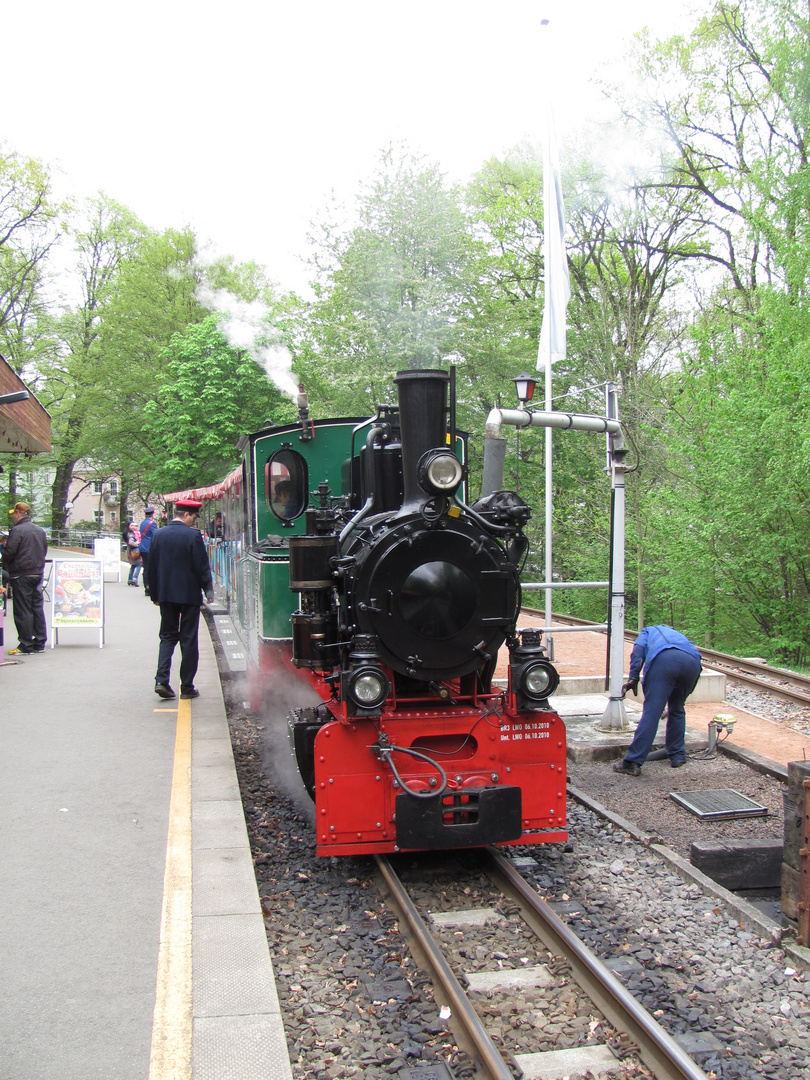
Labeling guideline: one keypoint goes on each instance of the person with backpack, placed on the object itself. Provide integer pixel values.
(132, 539)
(148, 530)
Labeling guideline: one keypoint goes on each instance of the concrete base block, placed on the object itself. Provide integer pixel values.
(711, 686)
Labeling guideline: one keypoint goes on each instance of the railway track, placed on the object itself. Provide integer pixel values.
(781, 683)
(617, 1025)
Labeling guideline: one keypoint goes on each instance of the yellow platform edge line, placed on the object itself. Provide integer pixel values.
(172, 1023)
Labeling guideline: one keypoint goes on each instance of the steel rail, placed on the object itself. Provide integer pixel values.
(657, 1049)
(758, 667)
(467, 1027)
(759, 675)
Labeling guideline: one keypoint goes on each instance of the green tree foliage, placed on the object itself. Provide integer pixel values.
(625, 248)
(154, 297)
(387, 287)
(31, 223)
(498, 322)
(74, 376)
(738, 504)
(208, 395)
(732, 528)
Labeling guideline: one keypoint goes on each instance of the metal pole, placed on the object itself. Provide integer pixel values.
(547, 227)
(610, 576)
(614, 717)
(549, 513)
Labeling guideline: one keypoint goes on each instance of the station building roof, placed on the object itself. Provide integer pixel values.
(25, 426)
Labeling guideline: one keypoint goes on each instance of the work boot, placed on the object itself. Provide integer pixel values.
(629, 767)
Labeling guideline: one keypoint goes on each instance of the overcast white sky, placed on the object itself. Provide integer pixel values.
(239, 117)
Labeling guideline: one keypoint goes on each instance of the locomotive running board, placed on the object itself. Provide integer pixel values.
(473, 817)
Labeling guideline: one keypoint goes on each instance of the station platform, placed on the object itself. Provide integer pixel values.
(133, 943)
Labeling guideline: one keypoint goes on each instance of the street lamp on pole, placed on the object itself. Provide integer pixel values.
(524, 388)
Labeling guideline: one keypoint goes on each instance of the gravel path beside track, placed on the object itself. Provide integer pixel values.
(645, 800)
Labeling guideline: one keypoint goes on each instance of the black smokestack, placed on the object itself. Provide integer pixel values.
(422, 421)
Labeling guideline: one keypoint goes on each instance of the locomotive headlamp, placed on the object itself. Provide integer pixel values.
(532, 676)
(439, 472)
(538, 680)
(368, 687)
(364, 685)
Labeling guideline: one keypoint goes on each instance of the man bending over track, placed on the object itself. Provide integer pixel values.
(672, 666)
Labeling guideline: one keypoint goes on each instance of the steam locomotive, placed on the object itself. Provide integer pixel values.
(351, 559)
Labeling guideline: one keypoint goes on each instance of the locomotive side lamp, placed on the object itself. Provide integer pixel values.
(524, 387)
(439, 472)
(365, 686)
(533, 678)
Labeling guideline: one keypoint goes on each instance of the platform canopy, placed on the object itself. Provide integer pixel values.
(212, 491)
(25, 427)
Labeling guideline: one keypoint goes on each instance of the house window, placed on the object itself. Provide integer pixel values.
(98, 487)
(98, 517)
(112, 487)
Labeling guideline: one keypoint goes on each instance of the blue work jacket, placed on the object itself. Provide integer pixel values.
(653, 640)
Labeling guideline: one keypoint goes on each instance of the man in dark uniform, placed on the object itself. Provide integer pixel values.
(24, 559)
(178, 574)
(672, 666)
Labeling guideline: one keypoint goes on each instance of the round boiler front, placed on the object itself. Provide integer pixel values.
(439, 600)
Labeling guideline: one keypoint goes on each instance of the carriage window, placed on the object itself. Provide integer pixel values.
(286, 484)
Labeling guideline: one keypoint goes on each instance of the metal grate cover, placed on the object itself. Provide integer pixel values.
(719, 803)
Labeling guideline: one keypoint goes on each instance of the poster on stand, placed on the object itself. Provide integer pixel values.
(108, 549)
(78, 596)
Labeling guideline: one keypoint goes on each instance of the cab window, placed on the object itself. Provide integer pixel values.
(286, 484)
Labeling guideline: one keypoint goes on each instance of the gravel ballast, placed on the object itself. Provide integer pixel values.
(354, 1004)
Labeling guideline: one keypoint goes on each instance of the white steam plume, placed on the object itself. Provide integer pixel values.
(247, 326)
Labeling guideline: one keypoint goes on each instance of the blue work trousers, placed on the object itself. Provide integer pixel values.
(672, 677)
(179, 623)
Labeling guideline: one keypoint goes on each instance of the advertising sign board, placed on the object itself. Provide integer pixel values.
(78, 596)
(108, 549)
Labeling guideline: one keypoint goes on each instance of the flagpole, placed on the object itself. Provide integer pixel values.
(546, 338)
(548, 447)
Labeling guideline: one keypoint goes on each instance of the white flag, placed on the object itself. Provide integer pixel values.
(557, 283)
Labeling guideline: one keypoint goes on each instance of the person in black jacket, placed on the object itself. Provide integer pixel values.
(178, 574)
(24, 558)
